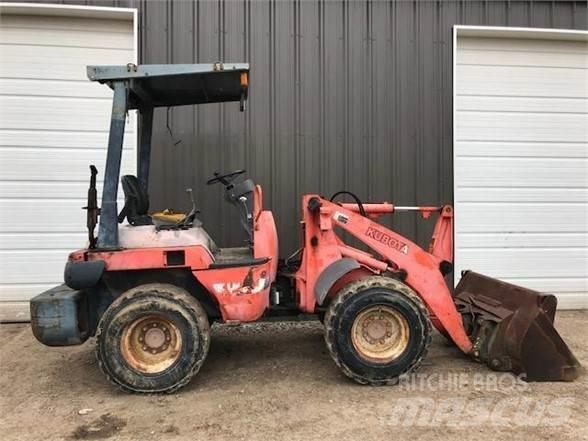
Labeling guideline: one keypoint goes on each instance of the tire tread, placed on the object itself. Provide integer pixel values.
(335, 308)
(174, 294)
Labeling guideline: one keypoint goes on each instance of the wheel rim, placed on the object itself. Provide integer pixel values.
(151, 344)
(380, 334)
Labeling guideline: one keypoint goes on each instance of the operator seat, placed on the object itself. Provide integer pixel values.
(136, 202)
(137, 205)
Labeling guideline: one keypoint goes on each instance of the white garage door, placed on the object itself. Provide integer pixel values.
(521, 159)
(53, 124)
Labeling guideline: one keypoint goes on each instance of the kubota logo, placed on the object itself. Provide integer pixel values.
(386, 239)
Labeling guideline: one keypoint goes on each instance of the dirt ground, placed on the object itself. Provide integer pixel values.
(275, 381)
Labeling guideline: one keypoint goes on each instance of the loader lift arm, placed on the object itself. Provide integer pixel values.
(424, 270)
(508, 327)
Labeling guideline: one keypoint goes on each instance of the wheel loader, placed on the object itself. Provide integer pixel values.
(150, 285)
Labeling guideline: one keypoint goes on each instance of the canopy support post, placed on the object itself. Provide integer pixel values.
(108, 229)
(144, 159)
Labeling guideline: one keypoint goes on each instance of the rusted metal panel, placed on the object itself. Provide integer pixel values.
(349, 95)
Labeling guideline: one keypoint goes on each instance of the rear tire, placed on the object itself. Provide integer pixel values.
(153, 338)
(376, 330)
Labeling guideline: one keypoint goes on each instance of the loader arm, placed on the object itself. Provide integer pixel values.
(507, 327)
(424, 270)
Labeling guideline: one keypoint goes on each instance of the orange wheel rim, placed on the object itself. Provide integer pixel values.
(380, 334)
(151, 344)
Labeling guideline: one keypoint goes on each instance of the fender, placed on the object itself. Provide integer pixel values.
(83, 275)
(330, 275)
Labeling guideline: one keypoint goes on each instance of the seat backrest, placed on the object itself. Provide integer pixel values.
(136, 197)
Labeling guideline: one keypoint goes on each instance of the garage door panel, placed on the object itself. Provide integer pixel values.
(15, 295)
(522, 172)
(92, 26)
(59, 139)
(23, 164)
(550, 239)
(65, 37)
(535, 149)
(521, 217)
(55, 114)
(57, 88)
(517, 194)
(521, 126)
(532, 263)
(52, 189)
(63, 216)
(53, 124)
(47, 264)
(42, 241)
(526, 46)
(481, 103)
(519, 81)
(42, 63)
(35, 216)
(522, 57)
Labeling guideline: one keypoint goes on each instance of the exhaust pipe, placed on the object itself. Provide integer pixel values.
(512, 329)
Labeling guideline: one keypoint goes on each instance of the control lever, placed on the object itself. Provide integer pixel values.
(92, 208)
(187, 221)
(192, 214)
(243, 201)
(247, 223)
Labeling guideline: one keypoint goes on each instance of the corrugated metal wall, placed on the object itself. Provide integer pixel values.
(352, 95)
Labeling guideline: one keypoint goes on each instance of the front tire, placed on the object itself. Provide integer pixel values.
(153, 338)
(376, 330)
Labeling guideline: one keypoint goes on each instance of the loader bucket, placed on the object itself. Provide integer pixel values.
(512, 329)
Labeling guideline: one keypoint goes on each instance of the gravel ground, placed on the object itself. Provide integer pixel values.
(276, 381)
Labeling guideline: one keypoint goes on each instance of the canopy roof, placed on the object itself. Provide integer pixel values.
(163, 85)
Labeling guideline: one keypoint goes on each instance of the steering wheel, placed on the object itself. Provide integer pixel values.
(225, 179)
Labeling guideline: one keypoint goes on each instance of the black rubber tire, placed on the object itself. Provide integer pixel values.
(354, 298)
(175, 304)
